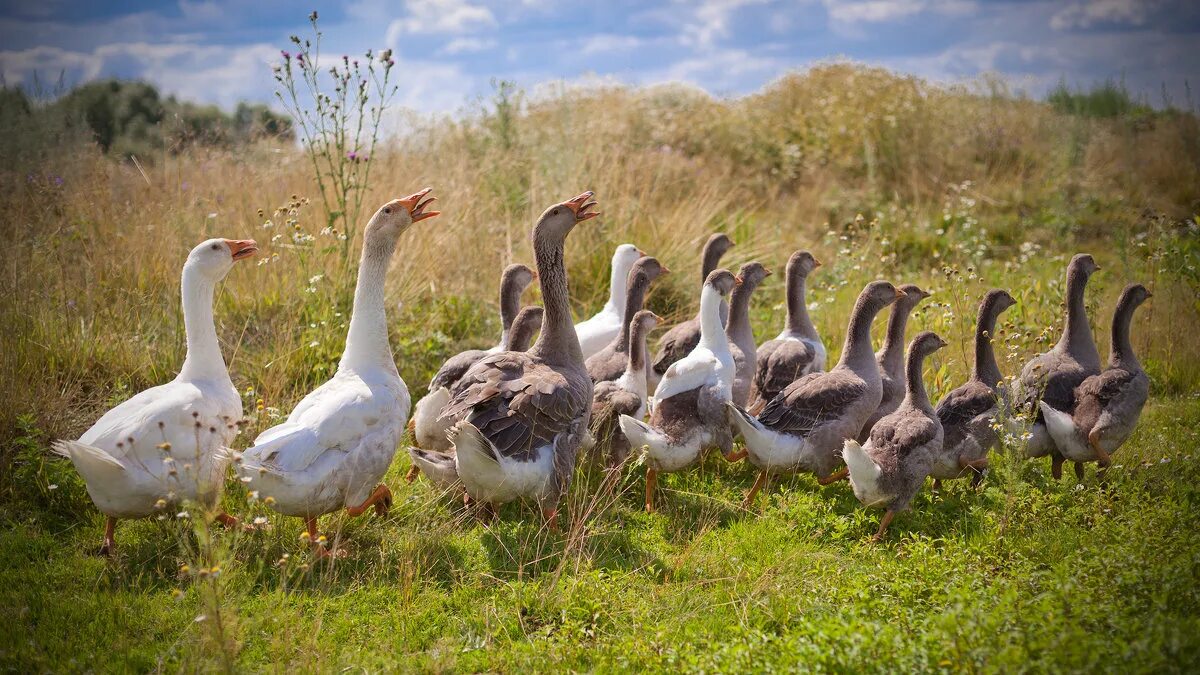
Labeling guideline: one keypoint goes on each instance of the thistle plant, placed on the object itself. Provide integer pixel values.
(338, 130)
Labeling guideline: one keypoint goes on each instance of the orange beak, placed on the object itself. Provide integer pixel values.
(664, 268)
(241, 248)
(737, 280)
(899, 294)
(416, 207)
(817, 263)
(767, 271)
(580, 205)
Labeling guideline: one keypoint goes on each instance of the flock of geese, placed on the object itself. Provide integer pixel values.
(510, 422)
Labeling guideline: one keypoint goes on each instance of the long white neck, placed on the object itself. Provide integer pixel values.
(204, 360)
(712, 329)
(618, 286)
(367, 342)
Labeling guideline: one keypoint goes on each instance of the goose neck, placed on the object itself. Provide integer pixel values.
(367, 341)
(203, 360)
(1077, 334)
(634, 300)
(914, 384)
(712, 329)
(798, 321)
(558, 342)
(1121, 352)
(986, 369)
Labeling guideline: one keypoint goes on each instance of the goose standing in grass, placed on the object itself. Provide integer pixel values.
(170, 443)
(798, 350)
(1053, 376)
(681, 339)
(438, 465)
(519, 417)
(739, 331)
(595, 333)
(428, 433)
(625, 395)
(336, 445)
(802, 429)
(893, 464)
(1108, 405)
(890, 357)
(688, 414)
(609, 363)
(968, 413)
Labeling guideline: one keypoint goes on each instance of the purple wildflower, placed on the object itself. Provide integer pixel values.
(286, 55)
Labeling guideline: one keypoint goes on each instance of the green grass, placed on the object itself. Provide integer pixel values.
(1024, 574)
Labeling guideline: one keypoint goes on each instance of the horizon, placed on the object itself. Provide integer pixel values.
(449, 51)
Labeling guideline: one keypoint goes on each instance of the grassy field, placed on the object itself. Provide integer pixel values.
(958, 190)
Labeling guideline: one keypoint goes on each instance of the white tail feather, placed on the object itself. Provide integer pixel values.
(639, 433)
(862, 468)
(88, 459)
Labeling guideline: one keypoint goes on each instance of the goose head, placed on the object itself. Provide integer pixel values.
(1082, 266)
(557, 221)
(912, 294)
(625, 256)
(1134, 295)
(752, 274)
(722, 281)
(649, 267)
(998, 300)
(396, 216)
(801, 264)
(645, 321)
(925, 343)
(215, 257)
(516, 278)
(879, 294)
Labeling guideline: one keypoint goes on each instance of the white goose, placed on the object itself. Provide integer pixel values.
(338, 443)
(171, 442)
(596, 332)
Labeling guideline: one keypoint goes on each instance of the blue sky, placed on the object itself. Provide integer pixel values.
(220, 51)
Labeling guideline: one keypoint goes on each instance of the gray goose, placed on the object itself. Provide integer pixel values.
(1053, 376)
(798, 350)
(893, 464)
(739, 331)
(802, 428)
(890, 357)
(519, 417)
(689, 415)
(968, 412)
(625, 395)
(438, 465)
(609, 363)
(682, 338)
(1107, 406)
(427, 432)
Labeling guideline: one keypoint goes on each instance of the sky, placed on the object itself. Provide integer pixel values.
(449, 51)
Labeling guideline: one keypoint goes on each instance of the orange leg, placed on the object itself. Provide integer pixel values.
(759, 483)
(550, 513)
(381, 499)
(413, 472)
(411, 426)
(310, 525)
(110, 542)
(883, 525)
(651, 483)
(1056, 466)
(834, 477)
(226, 521)
(735, 456)
(1101, 456)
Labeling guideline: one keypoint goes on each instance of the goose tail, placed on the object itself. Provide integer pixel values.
(640, 434)
(438, 467)
(91, 462)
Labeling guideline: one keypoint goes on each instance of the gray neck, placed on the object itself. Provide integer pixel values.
(1077, 334)
(521, 335)
(634, 298)
(986, 370)
(914, 384)
(856, 351)
(510, 302)
(891, 355)
(367, 342)
(637, 353)
(709, 259)
(1121, 353)
(203, 360)
(737, 326)
(798, 321)
(558, 342)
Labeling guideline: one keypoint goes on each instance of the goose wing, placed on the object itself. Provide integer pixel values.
(811, 401)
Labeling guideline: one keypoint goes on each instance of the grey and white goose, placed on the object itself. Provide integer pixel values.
(682, 338)
(519, 417)
(968, 413)
(798, 350)
(428, 433)
(1108, 405)
(890, 357)
(688, 416)
(1053, 376)
(625, 395)
(438, 465)
(609, 363)
(739, 331)
(803, 428)
(889, 470)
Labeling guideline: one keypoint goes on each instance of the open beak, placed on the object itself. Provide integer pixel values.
(242, 248)
(580, 206)
(416, 203)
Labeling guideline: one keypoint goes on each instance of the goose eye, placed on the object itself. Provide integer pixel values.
(215, 247)
(555, 212)
(387, 210)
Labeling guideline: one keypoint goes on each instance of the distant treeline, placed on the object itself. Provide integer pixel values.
(130, 118)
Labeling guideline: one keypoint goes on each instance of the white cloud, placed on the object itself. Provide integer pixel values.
(1101, 12)
(881, 11)
(467, 45)
(441, 16)
(720, 71)
(710, 22)
(608, 42)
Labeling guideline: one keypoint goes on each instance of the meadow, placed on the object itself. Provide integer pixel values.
(881, 175)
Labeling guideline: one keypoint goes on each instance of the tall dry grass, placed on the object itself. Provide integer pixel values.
(879, 174)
